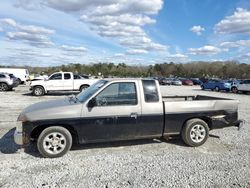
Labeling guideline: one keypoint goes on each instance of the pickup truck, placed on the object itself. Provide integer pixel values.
(60, 81)
(122, 109)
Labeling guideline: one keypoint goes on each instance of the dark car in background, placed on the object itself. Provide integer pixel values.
(186, 81)
(196, 81)
(165, 81)
(216, 85)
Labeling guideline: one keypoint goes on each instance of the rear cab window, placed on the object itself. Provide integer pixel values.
(150, 91)
(67, 76)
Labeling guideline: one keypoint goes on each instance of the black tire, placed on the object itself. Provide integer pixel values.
(47, 148)
(234, 90)
(3, 87)
(189, 134)
(38, 91)
(83, 87)
(19, 81)
(217, 89)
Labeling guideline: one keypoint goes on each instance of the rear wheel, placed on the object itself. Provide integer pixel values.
(217, 89)
(54, 142)
(195, 132)
(38, 91)
(83, 87)
(3, 87)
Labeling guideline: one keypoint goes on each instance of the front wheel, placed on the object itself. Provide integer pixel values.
(38, 91)
(234, 89)
(195, 132)
(54, 142)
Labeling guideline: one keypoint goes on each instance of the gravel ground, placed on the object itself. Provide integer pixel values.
(223, 161)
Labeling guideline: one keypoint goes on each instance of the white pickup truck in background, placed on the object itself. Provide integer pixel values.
(60, 81)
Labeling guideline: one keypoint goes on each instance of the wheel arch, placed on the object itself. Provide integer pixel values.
(37, 131)
(45, 90)
(83, 85)
(204, 118)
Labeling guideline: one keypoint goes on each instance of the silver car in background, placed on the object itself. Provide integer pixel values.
(7, 81)
(176, 82)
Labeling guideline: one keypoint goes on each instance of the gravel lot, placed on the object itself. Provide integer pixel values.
(223, 161)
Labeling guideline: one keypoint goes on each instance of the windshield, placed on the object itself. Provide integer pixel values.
(86, 94)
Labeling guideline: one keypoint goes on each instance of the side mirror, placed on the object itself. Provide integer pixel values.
(92, 103)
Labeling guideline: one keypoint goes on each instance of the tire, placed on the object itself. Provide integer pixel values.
(19, 81)
(217, 89)
(234, 90)
(3, 87)
(195, 132)
(38, 91)
(54, 142)
(83, 87)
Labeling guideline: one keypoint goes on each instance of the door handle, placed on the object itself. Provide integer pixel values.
(133, 115)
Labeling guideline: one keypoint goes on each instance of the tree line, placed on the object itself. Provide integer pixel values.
(218, 69)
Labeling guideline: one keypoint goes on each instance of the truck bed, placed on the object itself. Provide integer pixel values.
(177, 109)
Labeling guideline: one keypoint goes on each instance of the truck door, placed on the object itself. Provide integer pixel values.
(116, 113)
(68, 81)
(55, 82)
(152, 119)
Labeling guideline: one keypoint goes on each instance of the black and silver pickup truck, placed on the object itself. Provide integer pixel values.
(122, 109)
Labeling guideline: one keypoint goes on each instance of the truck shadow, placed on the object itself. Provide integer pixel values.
(7, 144)
(54, 94)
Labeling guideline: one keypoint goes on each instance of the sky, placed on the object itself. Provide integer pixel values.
(135, 32)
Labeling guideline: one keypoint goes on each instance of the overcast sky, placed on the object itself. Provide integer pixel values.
(54, 32)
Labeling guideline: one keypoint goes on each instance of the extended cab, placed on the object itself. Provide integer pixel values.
(60, 81)
(124, 109)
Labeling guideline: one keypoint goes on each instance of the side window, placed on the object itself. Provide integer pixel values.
(118, 94)
(67, 76)
(57, 76)
(247, 81)
(2, 76)
(77, 77)
(150, 91)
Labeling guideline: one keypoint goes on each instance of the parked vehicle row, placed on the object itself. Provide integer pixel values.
(234, 86)
(170, 81)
